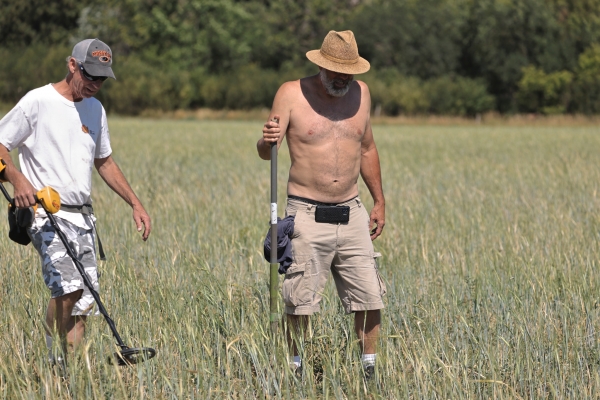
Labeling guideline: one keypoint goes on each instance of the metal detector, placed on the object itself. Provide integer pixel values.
(50, 201)
(274, 277)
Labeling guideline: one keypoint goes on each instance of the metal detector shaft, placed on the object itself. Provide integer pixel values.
(274, 278)
(5, 193)
(86, 280)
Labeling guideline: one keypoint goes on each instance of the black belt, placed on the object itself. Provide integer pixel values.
(85, 209)
(318, 203)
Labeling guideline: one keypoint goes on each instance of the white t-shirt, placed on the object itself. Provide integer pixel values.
(58, 140)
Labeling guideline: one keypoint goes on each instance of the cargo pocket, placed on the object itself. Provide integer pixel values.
(382, 288)
(296, 286)
(298, 222)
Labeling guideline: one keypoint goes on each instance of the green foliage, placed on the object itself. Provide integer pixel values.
(458, 96)
(212, 34)
(503, 37)
(141, 86)
(247, 87)
(418, 38)
(397, 94)
(26, 22)
(286, 29)
(587, 82)
(30, 67)
(548, 93)
(427, 56)
(394, 93)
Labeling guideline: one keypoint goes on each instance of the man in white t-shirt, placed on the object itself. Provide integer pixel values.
(61, 132)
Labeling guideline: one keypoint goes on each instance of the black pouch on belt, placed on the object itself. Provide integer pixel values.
(332, 214)
(19, 219)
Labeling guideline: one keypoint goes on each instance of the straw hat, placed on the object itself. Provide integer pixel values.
(339, 53)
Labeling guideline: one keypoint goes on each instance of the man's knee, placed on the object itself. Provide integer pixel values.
(67, 301)
(297, 320)
(368, 318)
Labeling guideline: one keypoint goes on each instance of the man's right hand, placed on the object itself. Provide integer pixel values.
(24, 192)
(272, 131)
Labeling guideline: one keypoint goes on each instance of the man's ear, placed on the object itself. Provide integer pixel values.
(72, 65)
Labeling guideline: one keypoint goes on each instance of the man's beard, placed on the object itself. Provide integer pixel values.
(330, 87)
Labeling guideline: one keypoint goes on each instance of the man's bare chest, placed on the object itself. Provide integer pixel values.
(310, 127)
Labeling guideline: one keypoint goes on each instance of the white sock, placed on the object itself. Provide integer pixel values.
(296, 361)
(368, 359)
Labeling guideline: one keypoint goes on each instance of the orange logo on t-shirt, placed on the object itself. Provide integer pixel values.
(85, 129)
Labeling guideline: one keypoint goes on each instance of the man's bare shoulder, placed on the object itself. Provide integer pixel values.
(290, 88)
(363, 87)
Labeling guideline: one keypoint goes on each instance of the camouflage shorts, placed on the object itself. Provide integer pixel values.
(60, 273)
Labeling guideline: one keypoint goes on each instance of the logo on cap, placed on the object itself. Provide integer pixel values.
(102, 55)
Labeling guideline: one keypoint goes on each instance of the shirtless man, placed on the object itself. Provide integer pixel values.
(326, 120)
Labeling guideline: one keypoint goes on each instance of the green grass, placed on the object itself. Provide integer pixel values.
(490, 256)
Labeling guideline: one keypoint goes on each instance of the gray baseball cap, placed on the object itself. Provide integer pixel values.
(95, 56)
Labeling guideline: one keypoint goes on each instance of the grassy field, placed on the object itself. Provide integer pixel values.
(490, 256)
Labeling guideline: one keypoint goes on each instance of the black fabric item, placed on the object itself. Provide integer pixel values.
(285, 230)
(332, 214)
(19, 219)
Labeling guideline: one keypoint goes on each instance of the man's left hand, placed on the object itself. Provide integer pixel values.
(376, 221)
(142, 220)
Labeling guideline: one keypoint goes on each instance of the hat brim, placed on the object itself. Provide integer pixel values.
(359, 67)
(99, 70)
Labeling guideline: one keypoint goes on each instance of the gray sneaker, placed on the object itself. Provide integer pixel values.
(369, 372)
(297, 371)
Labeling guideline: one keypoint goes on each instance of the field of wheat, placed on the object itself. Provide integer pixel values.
(490, 257)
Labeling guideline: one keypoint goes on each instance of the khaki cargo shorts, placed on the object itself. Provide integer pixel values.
(59, 271)
(344, 250)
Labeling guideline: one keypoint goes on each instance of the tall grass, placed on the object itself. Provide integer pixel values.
(490, 256)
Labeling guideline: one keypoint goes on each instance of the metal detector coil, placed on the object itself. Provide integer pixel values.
(134, 355)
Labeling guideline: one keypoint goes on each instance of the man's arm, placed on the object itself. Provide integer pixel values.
(370, 170)
(273, 131)
(24, 192)
(114, 178)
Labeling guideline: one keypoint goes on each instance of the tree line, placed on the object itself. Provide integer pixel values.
(453, 57)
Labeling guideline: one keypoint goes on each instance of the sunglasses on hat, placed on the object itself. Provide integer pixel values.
(91, 77)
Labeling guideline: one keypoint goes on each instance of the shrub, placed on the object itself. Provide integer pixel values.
(542, 92)
(586, 87)
(395, 93)
(458, 96)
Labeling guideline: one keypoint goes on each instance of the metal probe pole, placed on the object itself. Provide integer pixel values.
(274, 278)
